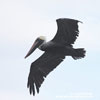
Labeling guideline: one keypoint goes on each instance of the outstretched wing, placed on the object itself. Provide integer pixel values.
(67, 31)
(41, 68)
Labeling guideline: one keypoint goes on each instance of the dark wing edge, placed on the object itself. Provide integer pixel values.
(41, 68)
(67, 31)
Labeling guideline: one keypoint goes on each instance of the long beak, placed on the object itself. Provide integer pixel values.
(34, 46)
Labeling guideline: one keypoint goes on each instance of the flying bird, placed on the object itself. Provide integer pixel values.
(54, 52)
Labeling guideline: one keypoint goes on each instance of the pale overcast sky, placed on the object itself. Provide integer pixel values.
(21, 22)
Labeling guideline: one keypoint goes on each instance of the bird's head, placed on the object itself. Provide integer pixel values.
(38, 42)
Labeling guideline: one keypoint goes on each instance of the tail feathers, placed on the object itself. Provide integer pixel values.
(79, 53)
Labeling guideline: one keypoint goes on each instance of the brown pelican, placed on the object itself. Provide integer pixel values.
(54, 52)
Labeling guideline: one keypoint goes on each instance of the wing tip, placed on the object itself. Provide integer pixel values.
(80, 22)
